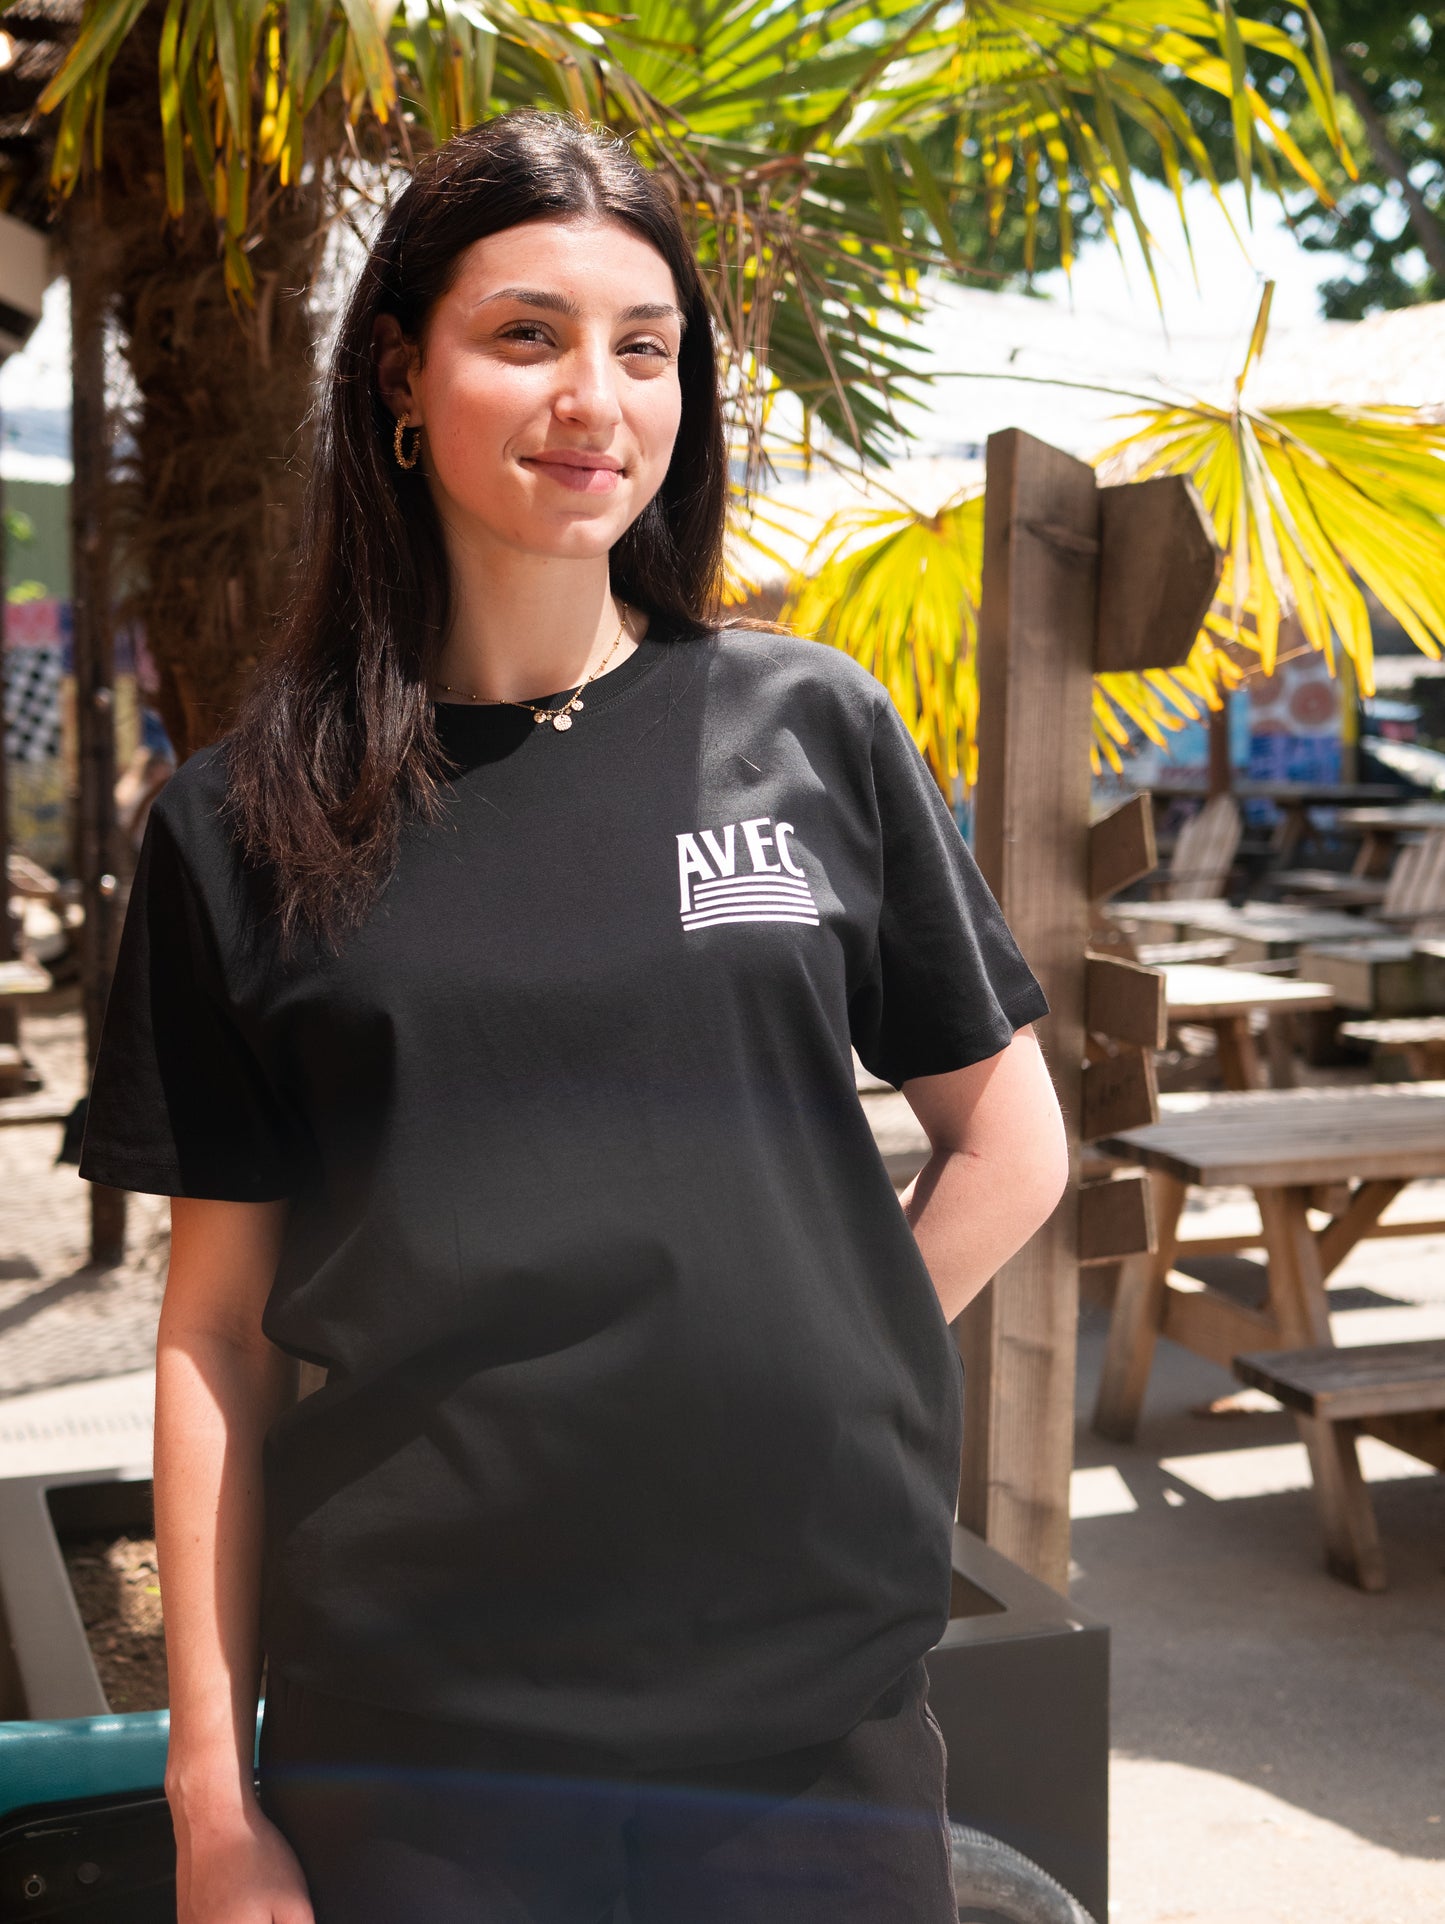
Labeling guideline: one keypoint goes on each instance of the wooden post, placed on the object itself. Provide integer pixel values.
(94, 671)
(1221, 774)
(1076, 580)
(1036, 666)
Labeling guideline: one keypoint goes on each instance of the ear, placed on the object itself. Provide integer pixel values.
(396, 361)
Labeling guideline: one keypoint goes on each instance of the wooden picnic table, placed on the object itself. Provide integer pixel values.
(1286, 1146)
(1294, 800)
(1381, 827)
(1387, 975)
(1419, 1039)
(1224, 1000)
(1260, 931)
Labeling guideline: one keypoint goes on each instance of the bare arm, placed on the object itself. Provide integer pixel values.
(998, 1166)
(219, 1383)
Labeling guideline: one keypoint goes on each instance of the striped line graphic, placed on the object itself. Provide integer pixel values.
(750, 898)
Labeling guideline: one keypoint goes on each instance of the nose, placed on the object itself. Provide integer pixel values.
(587, 394)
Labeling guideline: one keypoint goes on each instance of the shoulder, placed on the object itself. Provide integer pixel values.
(765, 666)
(190, 806)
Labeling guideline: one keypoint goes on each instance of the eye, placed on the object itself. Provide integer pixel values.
(653, 348)
(527, 333)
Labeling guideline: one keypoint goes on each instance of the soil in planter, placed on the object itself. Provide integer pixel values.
(118, 1593)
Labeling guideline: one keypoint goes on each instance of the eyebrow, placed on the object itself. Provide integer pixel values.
(559, 304)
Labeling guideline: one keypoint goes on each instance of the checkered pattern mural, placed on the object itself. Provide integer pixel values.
(32, 703)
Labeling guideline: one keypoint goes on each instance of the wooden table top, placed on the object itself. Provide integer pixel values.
(1199, 992)
(1404, 815)
(1289, 794)
(1266, 1138)
(1278, 922)
(1252, 921)
(1398, 1028)
(1166, 910)
(24, 978)
(1374, 949)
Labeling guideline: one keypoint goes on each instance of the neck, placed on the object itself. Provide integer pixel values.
(524, 625)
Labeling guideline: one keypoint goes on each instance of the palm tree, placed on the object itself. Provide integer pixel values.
(827, 154)
(1311, 505)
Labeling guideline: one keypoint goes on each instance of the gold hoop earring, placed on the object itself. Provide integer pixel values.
(403, 422)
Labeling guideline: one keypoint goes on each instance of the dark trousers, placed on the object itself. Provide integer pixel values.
(398, 1819)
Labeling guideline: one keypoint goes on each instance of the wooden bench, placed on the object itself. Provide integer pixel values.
(1341, 1390)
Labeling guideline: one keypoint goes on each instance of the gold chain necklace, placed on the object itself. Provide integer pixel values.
(559, 717)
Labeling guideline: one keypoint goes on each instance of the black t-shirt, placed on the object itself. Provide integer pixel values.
(642, 1423)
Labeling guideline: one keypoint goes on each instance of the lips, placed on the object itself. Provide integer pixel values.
(579, 472)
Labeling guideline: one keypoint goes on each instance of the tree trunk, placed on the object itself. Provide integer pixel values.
(1427, 229)
(209, 494)
(89, 261)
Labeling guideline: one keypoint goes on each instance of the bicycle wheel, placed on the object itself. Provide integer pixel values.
(996, 1884)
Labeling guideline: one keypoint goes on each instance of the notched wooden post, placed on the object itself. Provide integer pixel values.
(1076, 580)
(1036, 654)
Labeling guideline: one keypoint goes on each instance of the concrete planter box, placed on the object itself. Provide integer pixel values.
(1019, 1684)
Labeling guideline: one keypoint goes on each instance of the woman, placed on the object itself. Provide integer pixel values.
(486, 1003)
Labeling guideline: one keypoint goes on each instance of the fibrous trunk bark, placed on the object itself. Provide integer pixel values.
(210, 487)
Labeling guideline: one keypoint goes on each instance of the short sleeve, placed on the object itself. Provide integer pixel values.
(947, 985)
(178, 1103)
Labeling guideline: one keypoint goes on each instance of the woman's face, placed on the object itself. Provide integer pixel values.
(547, 386)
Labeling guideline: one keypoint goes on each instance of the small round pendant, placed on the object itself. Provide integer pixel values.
(561, 721)
(538, 716)
(576, 705)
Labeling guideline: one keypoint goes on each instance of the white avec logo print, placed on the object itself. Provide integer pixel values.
(722, 878)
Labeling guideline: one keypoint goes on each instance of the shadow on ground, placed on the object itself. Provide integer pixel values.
(1233, 1651)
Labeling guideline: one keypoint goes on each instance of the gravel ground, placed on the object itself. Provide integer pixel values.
(117, 1589)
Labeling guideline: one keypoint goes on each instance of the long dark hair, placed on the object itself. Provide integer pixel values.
(334, 744)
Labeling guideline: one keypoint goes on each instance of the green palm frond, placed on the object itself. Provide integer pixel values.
(1311, 506)
(791, 129)
(899, 590)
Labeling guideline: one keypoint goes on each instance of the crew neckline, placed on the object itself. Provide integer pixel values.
(603, 689)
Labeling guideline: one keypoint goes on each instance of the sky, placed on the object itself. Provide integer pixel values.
(1230, 276)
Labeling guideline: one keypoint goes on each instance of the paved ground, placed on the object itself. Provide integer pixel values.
(1279, 1739)
(62, 1321)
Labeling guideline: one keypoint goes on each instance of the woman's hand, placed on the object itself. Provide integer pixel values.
(238, 1870)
